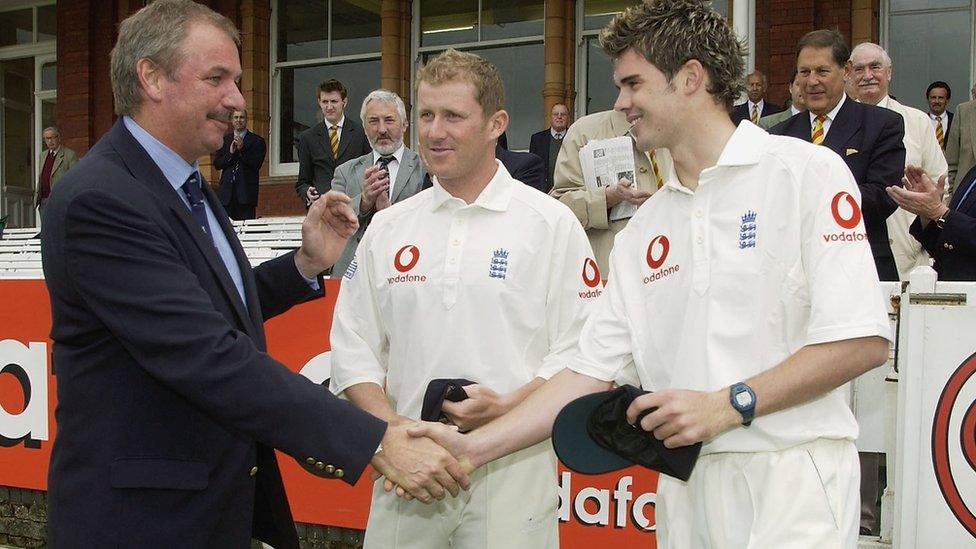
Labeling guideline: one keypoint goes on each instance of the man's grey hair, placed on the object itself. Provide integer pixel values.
(387, 96)
(885, 59)
(51, 129)
(762, 76)
(157, 32)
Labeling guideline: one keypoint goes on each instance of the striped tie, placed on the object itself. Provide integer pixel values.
(939, 135)
(334, 140)
(817, 136)
(755, 114)
(657, 170)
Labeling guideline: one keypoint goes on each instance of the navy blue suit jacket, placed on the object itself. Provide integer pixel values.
(525, 167)
(741, 112)
(870, 139)
(539, 145)
(167, 399)
(316, 165)
(240, 170)
(954, 245)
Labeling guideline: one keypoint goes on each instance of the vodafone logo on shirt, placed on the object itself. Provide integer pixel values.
(591, 278)
(404, 260)
(656, 255)
(847, 214)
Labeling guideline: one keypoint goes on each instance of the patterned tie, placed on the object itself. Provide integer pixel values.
(334, 140)
(817, 137)
(657, 170)
(755, 114)
(939, 135)
(384, 164)
(195, 197)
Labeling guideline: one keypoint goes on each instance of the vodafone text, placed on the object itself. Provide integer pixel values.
(850, 236)
(591, 506)
(661, 273)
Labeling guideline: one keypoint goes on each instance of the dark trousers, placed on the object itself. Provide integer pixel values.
(238, 211)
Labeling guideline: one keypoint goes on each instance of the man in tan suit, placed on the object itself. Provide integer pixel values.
(960, 143)
(54, 162)
(592, 206)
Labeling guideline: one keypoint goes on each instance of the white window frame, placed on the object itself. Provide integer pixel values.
(279, 168)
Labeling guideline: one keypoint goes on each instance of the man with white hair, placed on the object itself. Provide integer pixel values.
(389, 173)
(871, 73)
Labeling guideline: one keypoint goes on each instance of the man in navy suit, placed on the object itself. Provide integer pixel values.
(546, 144)
(525, 167)
(168, 403)
(938, 95)
(329, 144)
(756, 106)
(948, 233)
(868, 138)
(240, 159)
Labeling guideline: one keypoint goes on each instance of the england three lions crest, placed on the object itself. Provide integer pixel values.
(747, 230)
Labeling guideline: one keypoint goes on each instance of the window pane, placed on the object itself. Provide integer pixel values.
(521, 69)
(49, 76)
(600, 91)
(303, 29)
(597, 13)
(721, 6)
(18, 104)
(901, 5)
(355, 27)
(943, 55)
(47, 23)
(511, 18)
(299, 105)
(16, 27)
(443, 23)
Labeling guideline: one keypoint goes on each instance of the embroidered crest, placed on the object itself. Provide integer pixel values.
(747, 230)
(498, 267)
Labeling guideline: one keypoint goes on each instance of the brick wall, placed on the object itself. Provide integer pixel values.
(278, 198)
(23, 523)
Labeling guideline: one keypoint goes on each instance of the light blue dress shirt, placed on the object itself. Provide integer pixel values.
(176, 171)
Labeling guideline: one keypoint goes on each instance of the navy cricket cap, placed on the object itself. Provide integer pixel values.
(591, 435)
(439, 390)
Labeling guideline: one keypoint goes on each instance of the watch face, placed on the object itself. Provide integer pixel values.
(743, 398)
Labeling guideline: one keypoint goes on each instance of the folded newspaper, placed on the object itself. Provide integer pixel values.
(606, 161)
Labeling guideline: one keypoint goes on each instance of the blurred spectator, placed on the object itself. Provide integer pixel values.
(239, 160)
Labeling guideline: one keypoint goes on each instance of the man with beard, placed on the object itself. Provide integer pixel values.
(377, 179)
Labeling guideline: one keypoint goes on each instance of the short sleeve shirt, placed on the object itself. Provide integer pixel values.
(769, 254)
(495, 291)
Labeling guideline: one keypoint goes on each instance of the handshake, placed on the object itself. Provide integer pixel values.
(426, 460)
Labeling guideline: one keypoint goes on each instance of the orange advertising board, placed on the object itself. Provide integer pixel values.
(600, 510)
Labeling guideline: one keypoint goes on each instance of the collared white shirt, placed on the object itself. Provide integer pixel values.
(830, 116)
(794, 111)
(556, 134)
(495, 291)
(393, 167)
(758, 106)
(328, 127)
(944, 117)
(241, 133)
(714, 286)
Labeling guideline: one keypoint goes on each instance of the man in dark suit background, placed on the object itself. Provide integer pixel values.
(168, 403)
(239, 161)
(756, 106)
(525, 167)
(328, 144)
(948, 233)
(868, 138)
(546, 144)
(938, 95)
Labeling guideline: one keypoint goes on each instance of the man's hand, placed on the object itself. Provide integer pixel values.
(623, 190)
(236, 143)
(376, 183)
(685, 417)
(311, 195)
(481, 406)
(329, 223)
(920, 196)
(418, 466)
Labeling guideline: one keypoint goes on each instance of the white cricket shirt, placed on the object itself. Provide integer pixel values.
(495, 292)
(711, 287)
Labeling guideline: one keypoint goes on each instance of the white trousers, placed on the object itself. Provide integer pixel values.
(511, 505)
(802, 497)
